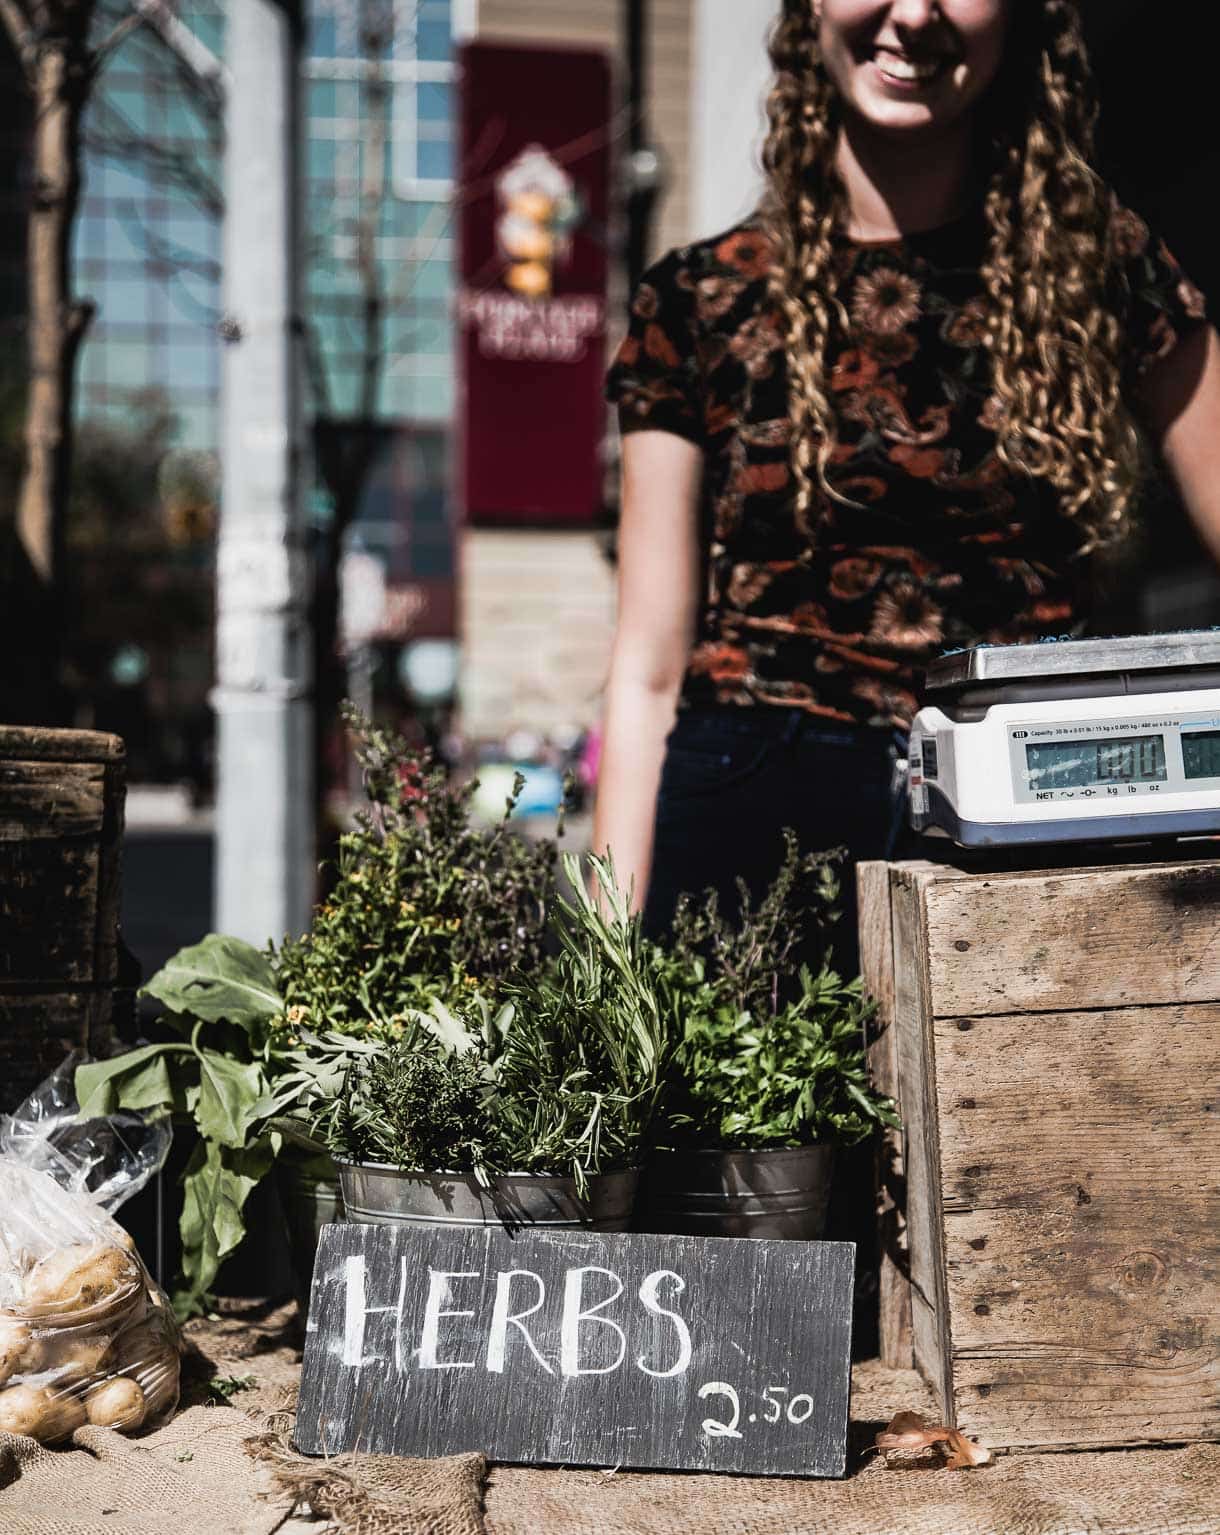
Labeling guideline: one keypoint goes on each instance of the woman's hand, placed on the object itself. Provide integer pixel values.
(658, 557)
(1182, 406)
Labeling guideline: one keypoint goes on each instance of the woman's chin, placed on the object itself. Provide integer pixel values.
(885, 114)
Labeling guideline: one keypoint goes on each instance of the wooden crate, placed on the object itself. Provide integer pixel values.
(61, 824)
(1053, 1038)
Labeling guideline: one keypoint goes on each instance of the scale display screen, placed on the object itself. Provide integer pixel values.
(1083, 764)
(1201, 753)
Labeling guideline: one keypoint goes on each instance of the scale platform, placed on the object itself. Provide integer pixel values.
(1070, 741)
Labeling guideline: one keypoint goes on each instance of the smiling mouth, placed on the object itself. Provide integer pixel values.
(903, 70)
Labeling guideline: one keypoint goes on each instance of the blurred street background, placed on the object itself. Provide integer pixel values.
(304, 316)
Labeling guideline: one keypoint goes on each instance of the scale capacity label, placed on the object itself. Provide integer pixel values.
(580, 1348)
(1103, 761)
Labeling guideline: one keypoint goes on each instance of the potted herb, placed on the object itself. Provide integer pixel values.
(768, 1077)
(427, 908)
(538, 1113)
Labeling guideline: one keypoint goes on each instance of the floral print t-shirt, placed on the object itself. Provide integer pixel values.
(946, 547)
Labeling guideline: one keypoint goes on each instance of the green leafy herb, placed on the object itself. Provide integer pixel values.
(427, 903)
(790, 1078)
(565, 1079)
(761, 1063)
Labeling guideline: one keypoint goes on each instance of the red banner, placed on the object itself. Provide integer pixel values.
(534, 207)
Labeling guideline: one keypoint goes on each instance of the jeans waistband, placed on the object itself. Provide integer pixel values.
(772, 722)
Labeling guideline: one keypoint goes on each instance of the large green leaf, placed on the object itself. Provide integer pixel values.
(229, 1092)
(219, 978)
(152, 1077)
(216, 1185)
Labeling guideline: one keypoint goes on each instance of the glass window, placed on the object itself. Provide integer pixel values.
(123, 302)
(320, 99)
(127, 365)
(322, 36)
(434, 39)
(435, 159)
(320, 160)
(435, 102)
(188, 365)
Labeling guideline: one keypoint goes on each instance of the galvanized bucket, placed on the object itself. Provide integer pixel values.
(388, 1195)
(310, 1197)
(777, 1193)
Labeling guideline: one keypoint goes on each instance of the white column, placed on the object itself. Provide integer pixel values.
(730, 77)
(264, 810)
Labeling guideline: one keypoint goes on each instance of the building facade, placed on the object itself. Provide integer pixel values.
(378, 91)
(538, 607)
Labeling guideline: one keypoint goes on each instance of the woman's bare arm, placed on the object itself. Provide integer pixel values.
(657, 590)
(1182, 398)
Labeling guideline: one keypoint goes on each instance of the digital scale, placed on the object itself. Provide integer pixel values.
(1070, 741)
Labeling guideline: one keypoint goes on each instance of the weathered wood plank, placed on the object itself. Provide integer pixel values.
(580, 1347)
(37, 1029)
(915, 1055)
(1103, 937)
(51, 799)
(877, 970)
(61, 819)
(109, 875)
(1079, 1156)
(39, 743)
(48, 911)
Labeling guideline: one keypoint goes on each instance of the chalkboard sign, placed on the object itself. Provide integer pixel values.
(580, 1348)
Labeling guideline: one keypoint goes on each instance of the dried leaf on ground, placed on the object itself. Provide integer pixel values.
(908, 1435)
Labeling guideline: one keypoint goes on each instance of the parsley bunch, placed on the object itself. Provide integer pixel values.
(761, 1062)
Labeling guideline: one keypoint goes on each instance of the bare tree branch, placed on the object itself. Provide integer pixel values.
(111, 133)
(170, 257)
(198, 60)
(22, 33)
(114, 39)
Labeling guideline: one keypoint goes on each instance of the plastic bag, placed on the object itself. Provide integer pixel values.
(111, 1158)
(86, 1336)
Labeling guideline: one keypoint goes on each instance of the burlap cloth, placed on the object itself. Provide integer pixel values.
(229, 1470)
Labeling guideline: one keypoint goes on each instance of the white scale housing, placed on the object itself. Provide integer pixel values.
(1070, 741)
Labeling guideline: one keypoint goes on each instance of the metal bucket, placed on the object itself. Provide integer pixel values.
(779, 1193)
(310, 1197)
(389, 1196)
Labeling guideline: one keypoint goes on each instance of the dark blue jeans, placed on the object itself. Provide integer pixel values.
(734, 778)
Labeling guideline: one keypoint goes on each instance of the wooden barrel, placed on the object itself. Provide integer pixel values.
(61, 825)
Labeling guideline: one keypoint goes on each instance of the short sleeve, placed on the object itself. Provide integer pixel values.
(1164, 306)
(654, 378)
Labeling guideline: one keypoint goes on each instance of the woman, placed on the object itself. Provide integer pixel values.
(890, 414)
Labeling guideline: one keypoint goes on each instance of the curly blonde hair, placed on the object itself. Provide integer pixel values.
(1056, 295)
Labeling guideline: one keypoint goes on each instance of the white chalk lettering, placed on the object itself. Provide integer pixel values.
(355, 1310)
(648, 1296)
(573, 1316)
(402, 1359)
(438, 1294)
(502, 1319)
